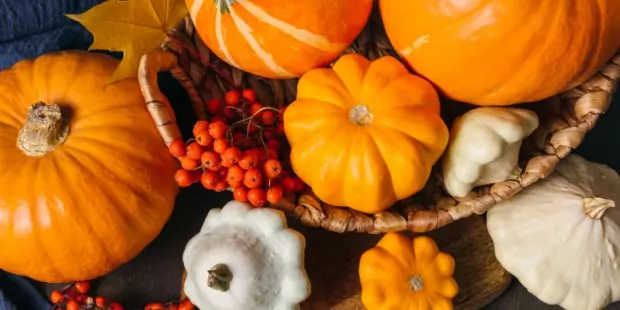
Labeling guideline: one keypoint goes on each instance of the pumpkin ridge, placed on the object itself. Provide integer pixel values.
(407, 49)
(322, 79)
(380, 74)
(267, 58)
(106, 191)
(109, 110)
(30, 173)
(425, 95)
(142, 161)
(406, 135)
(297, 132)
(369, 150)
(351, 70)
(219, 34)
(387, 152)
(537, 51)
(379, 253)
(86, 223)
(435, 141)
(312, 39)
(336, 190)
(123, 254)
(53, 270)
(83, 135)
(145, 197)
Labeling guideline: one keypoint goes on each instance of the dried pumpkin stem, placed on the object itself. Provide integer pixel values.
(360, 115)
(44, 130)
(416, 284)
(219, 278)
(595, 207)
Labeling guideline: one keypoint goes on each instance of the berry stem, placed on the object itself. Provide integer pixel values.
(249, 120)
(262, 141)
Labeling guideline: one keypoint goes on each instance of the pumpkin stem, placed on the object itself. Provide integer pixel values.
(416, 284)
(360, 115)
(45, 129)
(595, 207)
(219, 278)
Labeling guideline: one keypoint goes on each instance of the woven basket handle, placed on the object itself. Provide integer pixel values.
(157, 104)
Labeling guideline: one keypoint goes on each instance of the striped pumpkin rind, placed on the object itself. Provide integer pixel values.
(279, 39)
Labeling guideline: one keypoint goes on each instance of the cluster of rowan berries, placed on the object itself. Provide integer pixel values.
(241, 147)
(75, 297)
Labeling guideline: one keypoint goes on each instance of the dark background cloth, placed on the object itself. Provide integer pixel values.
(29, 28)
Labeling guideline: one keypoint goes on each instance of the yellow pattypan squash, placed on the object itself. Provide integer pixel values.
(401, 273)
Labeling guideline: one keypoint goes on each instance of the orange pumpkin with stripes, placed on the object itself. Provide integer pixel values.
(279, 39)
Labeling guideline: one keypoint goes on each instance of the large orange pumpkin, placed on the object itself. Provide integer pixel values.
(502, 52)
(85, 179)
(364, 134)
(279, 39)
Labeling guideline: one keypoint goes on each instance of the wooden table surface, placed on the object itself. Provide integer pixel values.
(155, 275)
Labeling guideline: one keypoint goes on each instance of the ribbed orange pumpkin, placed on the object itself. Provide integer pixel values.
(85, 180)
(363, 133)
(278, 39)
(502, 52)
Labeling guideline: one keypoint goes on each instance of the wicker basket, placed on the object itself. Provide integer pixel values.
(565, 120)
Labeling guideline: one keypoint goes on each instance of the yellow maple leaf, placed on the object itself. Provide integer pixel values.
(134, 27)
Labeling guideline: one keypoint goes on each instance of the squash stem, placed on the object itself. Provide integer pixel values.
(416, 284)
(46, 128)
(219, 278)
(360, 115)
(595, 207)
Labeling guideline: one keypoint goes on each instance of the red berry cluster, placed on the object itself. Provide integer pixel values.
(183, 305)
(74, 297)
(240, 147)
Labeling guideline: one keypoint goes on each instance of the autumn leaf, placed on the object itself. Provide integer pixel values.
(134, 27)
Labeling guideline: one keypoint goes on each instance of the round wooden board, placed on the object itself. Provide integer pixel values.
(332, 265)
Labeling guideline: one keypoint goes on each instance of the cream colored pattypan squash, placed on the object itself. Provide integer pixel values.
(484, 147)
(246, 258)
(561, 236)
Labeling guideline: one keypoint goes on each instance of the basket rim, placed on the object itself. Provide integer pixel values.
(576, 112)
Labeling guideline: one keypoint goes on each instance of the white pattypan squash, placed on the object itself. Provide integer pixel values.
(246, 258)
(561, 236)
(484, 147)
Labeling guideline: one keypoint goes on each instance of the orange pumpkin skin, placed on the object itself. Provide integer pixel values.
(97, 199)
(364, 161)
(279, 39)
(401, 273)
(503, 52)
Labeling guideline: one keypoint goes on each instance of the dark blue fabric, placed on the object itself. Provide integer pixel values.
(17, 293)
(5, 303)
(29, 28)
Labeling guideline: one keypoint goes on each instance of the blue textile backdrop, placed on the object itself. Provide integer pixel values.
(29, 28)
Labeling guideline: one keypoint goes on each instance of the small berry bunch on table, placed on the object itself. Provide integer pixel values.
(75, 297)
(240, 147)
